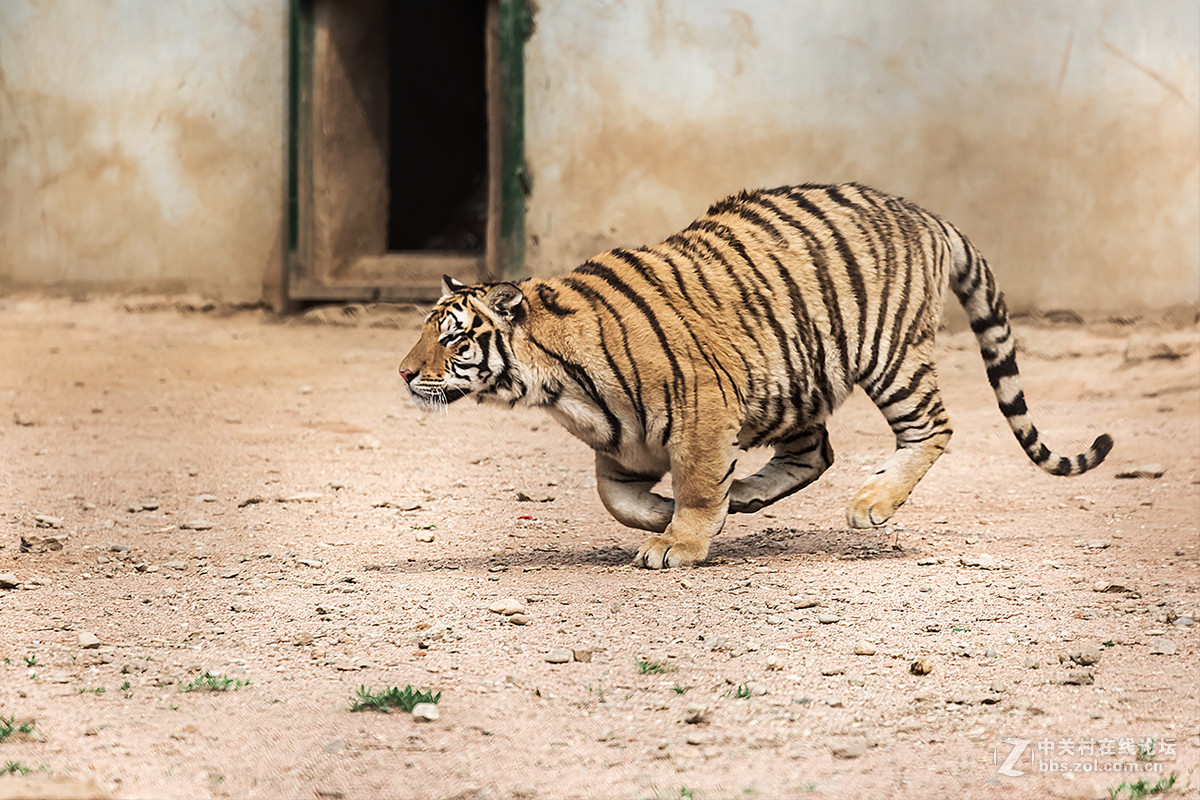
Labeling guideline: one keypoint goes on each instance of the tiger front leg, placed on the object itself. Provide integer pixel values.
(628, 498)
(701, 474)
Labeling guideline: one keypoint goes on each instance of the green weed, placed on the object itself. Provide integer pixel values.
(647, 667)
(9, 726)
(212, 683)
(15, 768)
(1141, 788)
(392, 697)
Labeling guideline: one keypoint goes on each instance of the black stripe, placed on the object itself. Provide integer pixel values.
(549, 299)
(729, 471)
(1016, 408)
(579, 374)
(1004, 368)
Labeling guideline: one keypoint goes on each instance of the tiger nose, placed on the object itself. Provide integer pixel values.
(407, 374)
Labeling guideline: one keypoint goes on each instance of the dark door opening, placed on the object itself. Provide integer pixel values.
(437, 172)
(406, 151)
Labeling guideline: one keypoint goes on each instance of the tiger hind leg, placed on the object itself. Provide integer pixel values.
(798, 461)
(914, 410)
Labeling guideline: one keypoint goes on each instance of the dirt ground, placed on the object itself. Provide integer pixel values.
(257, 500)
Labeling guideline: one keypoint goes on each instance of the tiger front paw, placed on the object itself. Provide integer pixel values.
(659, 552)
(867, 510)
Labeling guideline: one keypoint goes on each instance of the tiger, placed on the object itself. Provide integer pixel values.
(746, 329)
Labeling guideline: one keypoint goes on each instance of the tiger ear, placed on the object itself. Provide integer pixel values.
(505, 299)
(450, 286)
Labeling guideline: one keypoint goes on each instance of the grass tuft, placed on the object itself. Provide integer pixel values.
(391, 697)
(212, 683)
(9, 726)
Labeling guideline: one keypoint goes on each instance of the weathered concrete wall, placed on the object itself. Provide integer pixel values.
(1064, 137)
(142, 143)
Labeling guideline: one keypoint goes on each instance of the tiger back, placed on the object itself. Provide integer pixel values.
(745, 329)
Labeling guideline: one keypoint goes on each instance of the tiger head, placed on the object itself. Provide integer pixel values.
(464, 347)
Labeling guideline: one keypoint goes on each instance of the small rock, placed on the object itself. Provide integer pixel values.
(1182, 622)
(979, 561)
(922, 666)
(47, 521)
(336, 746)
(176, 565)
(559, 657)
(805, 602)
(303, 639)
(855, 679)
(310, 562)
(755, 689)
(195, 525)
(42, 544)
(864, 648)
(828, 619)
(990, 653)
(835, 670)
(1087, 656)
(133, 668)
(250, 501)
(205, 498)
(534, 497)
(426, 712)
(8, 580)
(230, 572)
(424, 536)
(582, 656)
(834, 702)
(303, 497)
(410, 504)
(847, 750)
(1079, 677)
(774, 662)
(1150, 471)
(520, 619)
(1031, 662)
(696, 715)
(508, 606)
(997, 687)
(1097, 544)
(88, 641)
(1163, 647)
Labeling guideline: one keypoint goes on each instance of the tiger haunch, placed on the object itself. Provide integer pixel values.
(746, 329)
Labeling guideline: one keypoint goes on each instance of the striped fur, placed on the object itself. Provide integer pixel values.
(746, 329)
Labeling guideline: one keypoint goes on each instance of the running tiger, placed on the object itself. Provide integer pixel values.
(746, 329)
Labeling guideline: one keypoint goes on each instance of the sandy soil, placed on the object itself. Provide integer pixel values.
(248, 498)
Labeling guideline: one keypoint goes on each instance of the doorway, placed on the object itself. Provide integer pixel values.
(406, 146)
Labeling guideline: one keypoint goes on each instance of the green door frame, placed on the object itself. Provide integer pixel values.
(510, 25)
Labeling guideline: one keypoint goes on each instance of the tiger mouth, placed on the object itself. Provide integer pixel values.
(440, 398)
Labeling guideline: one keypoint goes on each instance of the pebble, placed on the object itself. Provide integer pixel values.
(303, 497)
(507, 606)
(1031, 662)
(43, 544)
(774, 662)
(582, 656)
(177, 565)
(8, 580)
(805, 602)
(927, 562)
(559, 657)
(847, 750)
(310, 562)
(855, 679)
(1182, 622)
(1079, 677)
(921, 666)
(424, 536)
(997, 687)
(195, 525)
(827, 619)
(88, 641)
(979, 561)
(533, 496)
(864, 648)
(205, 498)
(696, 715)
(336, 746)
(838, 670)
(133, 667)
(230, 572)
(47, 521)
(426, 712)
(1145, 471)
(1163, 647)
(520, 619)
